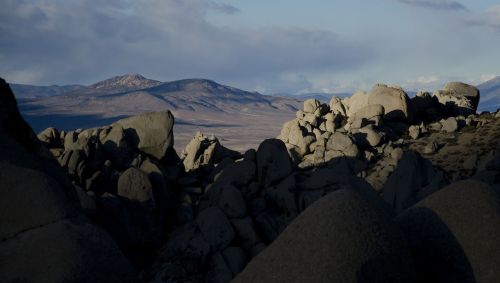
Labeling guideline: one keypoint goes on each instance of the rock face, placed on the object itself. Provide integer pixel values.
(454, 234)
(45, 236)
(458, 98)
(341, 227)
(273, 162)
(151, 133)
(413, 179)
(204, 151)
(468, 91)
(394, 100)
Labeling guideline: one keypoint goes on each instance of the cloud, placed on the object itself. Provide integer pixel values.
(436, 4)
(489, 18)
(83, 41)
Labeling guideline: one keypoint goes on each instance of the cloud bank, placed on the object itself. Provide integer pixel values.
(83, 41)
(436, 4)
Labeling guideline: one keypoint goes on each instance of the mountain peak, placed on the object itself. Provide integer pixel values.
(126, 82)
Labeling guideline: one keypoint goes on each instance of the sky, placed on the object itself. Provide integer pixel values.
(272, 46)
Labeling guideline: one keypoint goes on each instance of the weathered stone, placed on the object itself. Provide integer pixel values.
(394, 100)
(413, 179)
(454, 234)
(151, 133)
(215, 227)
(312, 249)
(449, 125)
(311, 105)
(273, 162)
(135, 185)
(414, 132)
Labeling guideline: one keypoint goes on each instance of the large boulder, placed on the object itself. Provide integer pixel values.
(355, 102)
(273, 162)
(395, 101)
(468, 91)
(413, 179)
(340, 238)
(69, 250)
(454, 234)
(151, 133)
(44, 235)
(135, 185)
(458, 99)
(203, 151)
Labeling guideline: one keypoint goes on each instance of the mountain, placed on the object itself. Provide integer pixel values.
(29, 91)
(490, 95)
(126, 82)
(197, 104)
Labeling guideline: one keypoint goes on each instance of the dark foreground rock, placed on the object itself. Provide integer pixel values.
(45, 236)
(340, 238)
(454, 234)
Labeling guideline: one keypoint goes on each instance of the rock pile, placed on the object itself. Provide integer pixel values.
(357, 181)
(44, 234)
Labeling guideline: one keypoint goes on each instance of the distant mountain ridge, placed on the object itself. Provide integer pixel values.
(490, 95)
(193, 101)
(30, 91)
(126, 82)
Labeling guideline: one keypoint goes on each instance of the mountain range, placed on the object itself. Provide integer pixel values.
(241, 118)
(198, 104)
(490, 95)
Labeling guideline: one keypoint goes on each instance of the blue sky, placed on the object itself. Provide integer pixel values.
(270, 46)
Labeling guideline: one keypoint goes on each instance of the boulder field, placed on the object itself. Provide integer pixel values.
(377, 187)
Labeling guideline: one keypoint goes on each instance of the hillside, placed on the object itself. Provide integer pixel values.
(198, 104)
(490, 95)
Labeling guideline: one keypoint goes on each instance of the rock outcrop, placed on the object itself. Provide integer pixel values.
(351, 190)
(45, 236)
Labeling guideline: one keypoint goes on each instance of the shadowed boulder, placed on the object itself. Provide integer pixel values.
(340, 238)
(45, 237)
(454, 234)
(151, 132)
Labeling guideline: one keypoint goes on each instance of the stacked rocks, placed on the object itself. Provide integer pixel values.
(44, 234)
(123, 173)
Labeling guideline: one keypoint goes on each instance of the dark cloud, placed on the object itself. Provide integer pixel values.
(436, 4)
(83, 41)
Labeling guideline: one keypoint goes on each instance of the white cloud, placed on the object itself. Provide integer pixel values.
(83, 41)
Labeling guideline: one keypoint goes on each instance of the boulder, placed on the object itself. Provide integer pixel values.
(454, 234)
(135, 185)
(458, 99)
(70, 250)
(311, 105)
(450, 125)
(413, 179)
(343, 144)
(394, 100)
(355, 102)
(468, 91)
(337, 106)
(342, 227)
(204, 151)
(368, 112)
(273, 162)
(152, 133)
(42, 225)
(215, 228)
(414, 131)
(51, 137)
